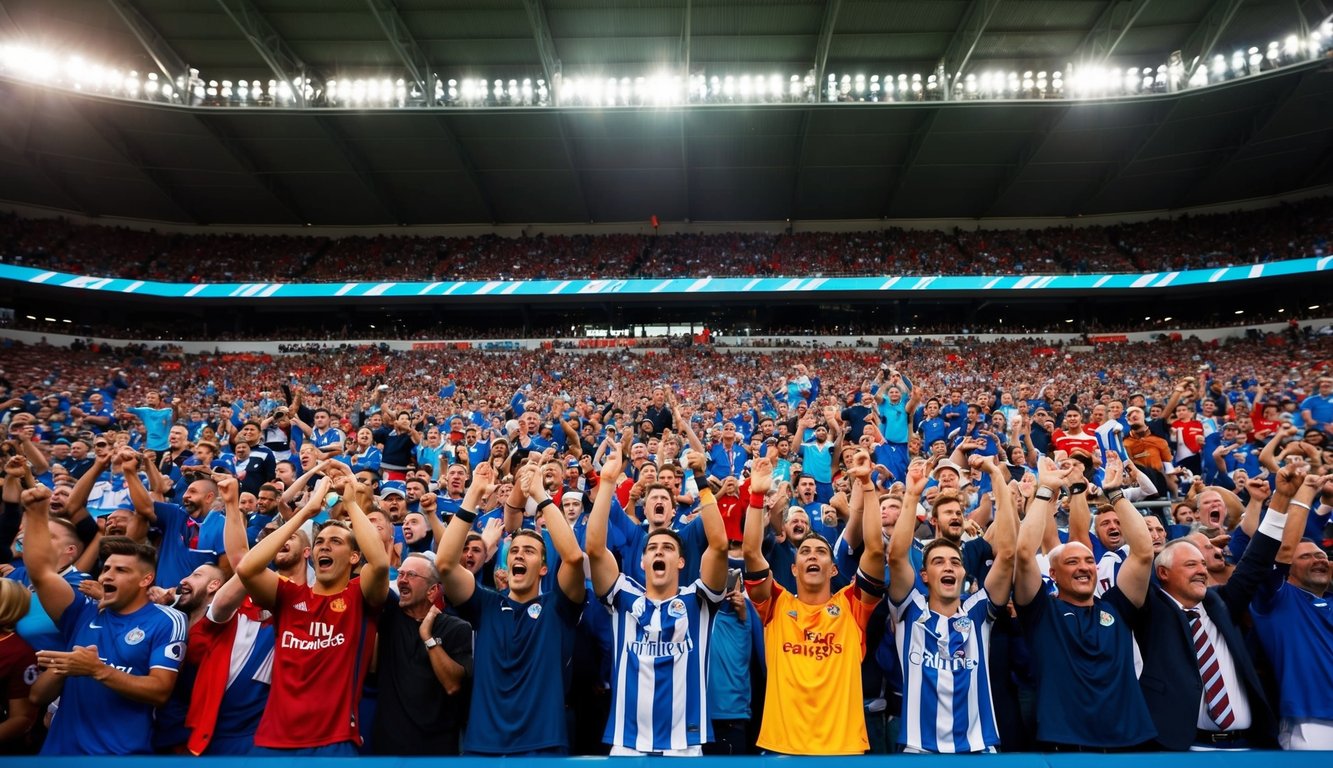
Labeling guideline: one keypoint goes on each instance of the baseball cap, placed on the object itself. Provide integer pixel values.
(946, 464)
(393, 487)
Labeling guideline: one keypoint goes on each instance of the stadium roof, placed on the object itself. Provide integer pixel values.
(1260, 135)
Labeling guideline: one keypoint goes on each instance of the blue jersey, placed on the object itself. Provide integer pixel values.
(182, 549)
(435, 457)
(660, 649)
(1085, 669)
(1295, 628)
(627, 540)
(893, 418)
(521, 671)
(157, 425)
(36, 628)
(817, 461)
(328, 438)
(946, 684)
(93, 719)
(1320, 408)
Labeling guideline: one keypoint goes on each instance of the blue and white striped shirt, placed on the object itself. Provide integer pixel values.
(660, 687)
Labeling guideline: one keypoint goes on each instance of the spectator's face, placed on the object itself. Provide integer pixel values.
(59, 497)
(197, 589)
(414, 528)
(572, 506)
(662, 561)
(333, 554)
(433, 437)
(814, 564)
(797, 524)
(78, 450)
(1073, 421)
(455, 479)
(932, 409)
(177, 438)
(474, 555)
(1156, 531)
(1209, 407)
(1074, 571)
(525, 565)
(1184, 514)
(321, 420)
(889, 510)
(414, 583)
(1212, 508)
(947, 479)
(1108, 529)
(943, 572)
(394, 505)
(657, 507)
(267, 502)
(1326, 386)
(415, 490)
(123, 580)
(1310, 568)
(949, 520)
(1186, 578)
(248, 502)
(806, 489)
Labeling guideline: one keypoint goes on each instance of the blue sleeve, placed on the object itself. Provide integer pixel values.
(168, 515)
(75, 616)
(516, 403)
(168, 643)
(695, 537)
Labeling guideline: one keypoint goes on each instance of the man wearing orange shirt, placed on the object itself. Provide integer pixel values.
(814, 639)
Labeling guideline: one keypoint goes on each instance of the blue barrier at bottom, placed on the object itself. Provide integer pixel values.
(1008, 760)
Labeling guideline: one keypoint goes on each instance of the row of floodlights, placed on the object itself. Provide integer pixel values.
(78, 73)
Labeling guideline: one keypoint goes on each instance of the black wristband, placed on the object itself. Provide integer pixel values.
(1078, 488)
(1115, 495)
(543, 504)
(700, 479)
(757, 575)
(468, 516)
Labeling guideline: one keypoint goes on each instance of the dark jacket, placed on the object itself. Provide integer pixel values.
(1170, 680)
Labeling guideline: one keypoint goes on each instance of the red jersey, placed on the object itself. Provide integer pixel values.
(1191, 436)
(18, 667)
(1069, 443)
(320, 659)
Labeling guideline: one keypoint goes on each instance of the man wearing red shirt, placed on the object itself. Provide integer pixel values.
(325, 631)
(1073, 436)
(1187, 431)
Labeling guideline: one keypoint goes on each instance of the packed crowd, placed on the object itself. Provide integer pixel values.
(1283, 232)
(923, 547)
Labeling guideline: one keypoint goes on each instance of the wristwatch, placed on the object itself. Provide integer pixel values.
(431, 642)
(1078, 488)
(1044, 493)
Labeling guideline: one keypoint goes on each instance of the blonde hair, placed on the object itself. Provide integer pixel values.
(14, 603)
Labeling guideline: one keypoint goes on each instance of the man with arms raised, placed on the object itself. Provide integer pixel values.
(943, 637)
(124, 651)
(524, 639)
(1087, 697)
(661, 629)
(325, 631)
(814, 639)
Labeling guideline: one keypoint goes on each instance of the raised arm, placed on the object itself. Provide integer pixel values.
(139, 496)
(713, 564)
(1003, 533)
(902, 577)
(872, 554)
(1080, 513)
(604, 569)
(232, 592)
(758, 577)
(375, 560)
(1027, 573)
(458, 582)
(39, 554)
(570, 575)
(1134, 575)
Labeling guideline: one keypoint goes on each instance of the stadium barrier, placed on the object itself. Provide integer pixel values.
(1028, 286)
(1220, 759)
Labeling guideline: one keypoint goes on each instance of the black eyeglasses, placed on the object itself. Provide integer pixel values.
(101, 445)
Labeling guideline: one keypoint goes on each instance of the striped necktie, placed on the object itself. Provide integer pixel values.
(1210, 670)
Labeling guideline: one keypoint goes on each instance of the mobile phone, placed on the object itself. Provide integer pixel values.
(733, 579)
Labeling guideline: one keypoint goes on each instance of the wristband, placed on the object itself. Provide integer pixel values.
(1115, 495)
(544, 503)
(757, 575)
(700, 479)
(706, 499)
(468, 516)
(1044, 494)
(756, 500)
(1078, 488)
(1301, 504)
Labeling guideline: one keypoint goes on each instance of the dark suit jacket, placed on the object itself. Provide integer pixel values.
(1170, 680)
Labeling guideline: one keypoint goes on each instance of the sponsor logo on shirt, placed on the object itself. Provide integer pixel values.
(321, 638)
(941, 662)
(534, 610)
(661, 648)
(676, 609)
(338, 605)
(1107, 619)
(816, 645)
(301, 606)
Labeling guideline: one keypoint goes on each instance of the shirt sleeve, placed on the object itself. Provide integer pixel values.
(766, 608)
(169, 641)
(456, 637)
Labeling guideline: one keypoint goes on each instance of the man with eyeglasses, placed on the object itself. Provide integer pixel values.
(421, 651)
